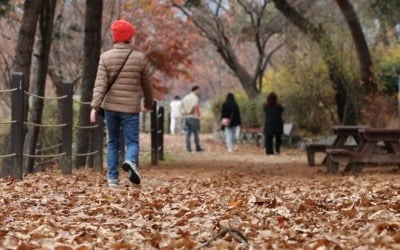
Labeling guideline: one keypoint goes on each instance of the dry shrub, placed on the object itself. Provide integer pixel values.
(380, 110)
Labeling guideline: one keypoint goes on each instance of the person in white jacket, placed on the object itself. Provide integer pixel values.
(190, 110)
(176, 115)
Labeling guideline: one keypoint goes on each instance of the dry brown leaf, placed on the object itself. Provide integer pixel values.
(63, 248)
(156, 240)
(235, 203)
(396, 237)
(121, 246)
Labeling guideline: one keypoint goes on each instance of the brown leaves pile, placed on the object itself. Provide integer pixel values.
(50, 211)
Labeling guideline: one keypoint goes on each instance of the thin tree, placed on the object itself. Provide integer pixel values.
(211, 23)
(92, 47)
(24, 49)
(364, 56)
(345, 103)
(39, 83)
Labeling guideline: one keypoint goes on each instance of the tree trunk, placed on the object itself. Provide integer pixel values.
(55, 69)
(92, 46)
(246, 80)
(213, 29)
(57, 81)
(26, 39)
(346, 108)
(23, 52)
(45, 28)
(364, 56)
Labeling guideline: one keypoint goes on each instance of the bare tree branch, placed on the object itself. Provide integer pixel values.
(215, 27)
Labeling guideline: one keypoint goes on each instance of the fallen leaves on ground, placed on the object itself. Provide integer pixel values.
(182, 205)
(50, 211)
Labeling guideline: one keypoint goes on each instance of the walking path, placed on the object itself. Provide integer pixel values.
(270, 202)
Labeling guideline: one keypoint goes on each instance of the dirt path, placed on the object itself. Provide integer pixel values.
(274, 202)
(246, 157)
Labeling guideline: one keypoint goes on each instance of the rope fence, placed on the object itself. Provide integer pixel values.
(82, 103)
(86, 127)
(19, 98)
(7, 156)
(8, 90)
(45, 156)
(85, 154)
(45, 97)
(7, 122)
(45, 125)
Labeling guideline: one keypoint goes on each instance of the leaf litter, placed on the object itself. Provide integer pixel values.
(203, 204)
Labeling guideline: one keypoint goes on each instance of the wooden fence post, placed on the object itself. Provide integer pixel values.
(154, 146)
(67, 116)
(17, 128)
(143, 122)
(160, 133)
(169, 125)
(98, 142)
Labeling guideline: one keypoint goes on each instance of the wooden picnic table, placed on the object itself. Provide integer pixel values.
(343, 133)
(375, 146)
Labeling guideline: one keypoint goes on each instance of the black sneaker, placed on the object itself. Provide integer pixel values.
(130, 167)
(199, 150)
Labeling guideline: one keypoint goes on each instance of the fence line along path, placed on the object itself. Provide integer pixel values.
(18, 100)
(19, 97)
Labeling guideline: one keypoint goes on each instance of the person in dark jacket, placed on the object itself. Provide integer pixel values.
(273, 126)
(230, 120)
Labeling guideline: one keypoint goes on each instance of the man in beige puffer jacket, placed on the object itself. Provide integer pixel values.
(122, 102)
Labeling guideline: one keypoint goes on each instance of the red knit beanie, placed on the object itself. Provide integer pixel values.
(122, 31)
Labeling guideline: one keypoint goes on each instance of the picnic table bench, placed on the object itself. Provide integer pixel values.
(376, 147)
(343, 133)
(373, 146)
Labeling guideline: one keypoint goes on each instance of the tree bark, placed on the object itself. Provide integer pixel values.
(246, 80)
(23, 52)
(364, 56)
(213, 29)
(346, 107)
(26, 39)
(55, 70)
(92, 47)
(36, 112)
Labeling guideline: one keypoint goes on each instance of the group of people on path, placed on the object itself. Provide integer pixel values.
(273, 125)
(124, 77)
(187, 109)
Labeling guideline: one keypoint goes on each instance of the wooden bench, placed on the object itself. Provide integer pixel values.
(249, 134)
(258, 135)
(343, 133)
(334, 157)
(314, 148)
(376, 147)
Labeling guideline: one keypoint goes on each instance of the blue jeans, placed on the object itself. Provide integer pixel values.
(230, 137)
(192, 126)
(130, 129)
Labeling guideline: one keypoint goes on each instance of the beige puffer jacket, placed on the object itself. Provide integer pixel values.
(132, 83)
